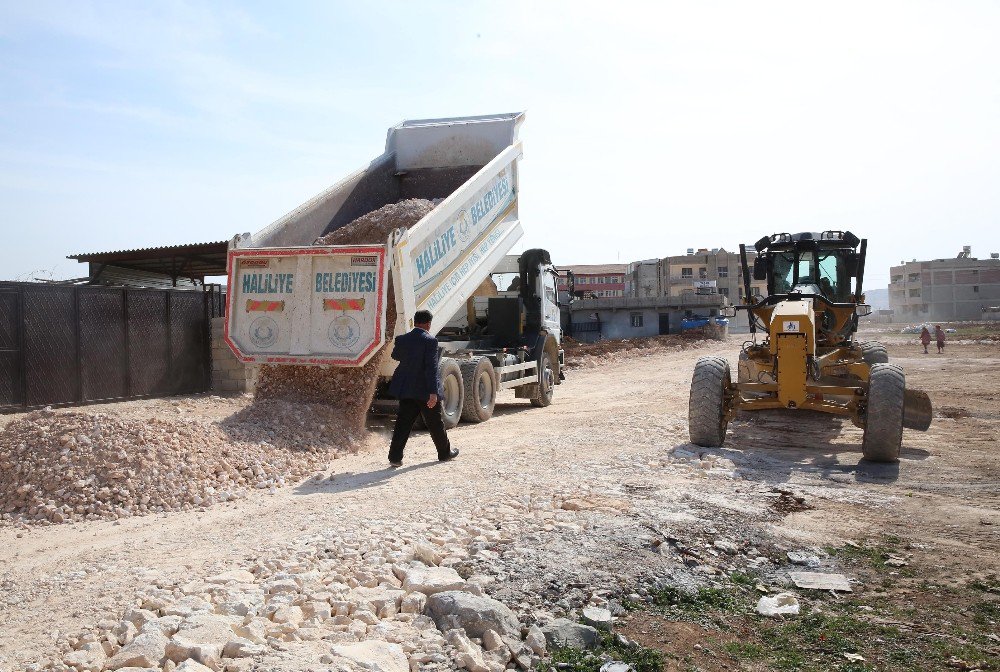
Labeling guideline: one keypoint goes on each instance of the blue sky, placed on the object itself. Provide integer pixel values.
(651, 128)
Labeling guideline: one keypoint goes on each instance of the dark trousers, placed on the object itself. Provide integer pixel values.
(409, 409)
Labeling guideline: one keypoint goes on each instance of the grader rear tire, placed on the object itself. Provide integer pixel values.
(707, 419)
(884, 415)
(874, 352)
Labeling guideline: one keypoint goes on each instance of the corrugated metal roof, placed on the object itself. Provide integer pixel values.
(166, 249)
(193, 260)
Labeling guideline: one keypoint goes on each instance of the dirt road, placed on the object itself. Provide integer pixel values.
(594, 495)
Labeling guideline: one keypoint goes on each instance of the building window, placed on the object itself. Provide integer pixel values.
(687, 273)
(636, 319)
(703, 273)
(914, 277)
(915, 292)
(723, 271)
(975, 288)
(724, 291)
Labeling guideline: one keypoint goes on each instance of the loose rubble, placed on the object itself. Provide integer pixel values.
(66, 466)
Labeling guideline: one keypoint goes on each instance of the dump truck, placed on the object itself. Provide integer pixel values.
(808, 358)
(292, 303)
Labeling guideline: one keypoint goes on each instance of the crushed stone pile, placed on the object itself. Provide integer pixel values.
(348, 389)
(68, 466)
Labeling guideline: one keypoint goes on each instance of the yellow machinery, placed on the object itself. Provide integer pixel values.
(808, 358)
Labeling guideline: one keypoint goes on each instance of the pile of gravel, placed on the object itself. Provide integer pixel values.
(67, 466)
(349, 389)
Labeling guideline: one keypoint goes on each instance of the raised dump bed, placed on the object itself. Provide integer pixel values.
(292, 302)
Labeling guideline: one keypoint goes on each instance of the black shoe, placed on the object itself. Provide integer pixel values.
(451, 456)
(394, 465)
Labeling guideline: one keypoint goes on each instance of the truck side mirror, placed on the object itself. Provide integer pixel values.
(728, 311)
(760, 268)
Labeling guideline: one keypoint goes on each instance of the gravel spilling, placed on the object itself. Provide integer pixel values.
(348, 389)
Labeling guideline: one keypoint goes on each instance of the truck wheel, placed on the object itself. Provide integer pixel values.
(546, 381)
(874, 352)
(707, 419)
(454, 392)
(480, 381)
(884, 414)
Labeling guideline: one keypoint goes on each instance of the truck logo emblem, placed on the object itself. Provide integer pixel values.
(263, 332)
(790, 326)
(344, 331)
(464, 226)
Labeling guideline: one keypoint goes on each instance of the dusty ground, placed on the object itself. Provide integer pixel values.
(624, 514)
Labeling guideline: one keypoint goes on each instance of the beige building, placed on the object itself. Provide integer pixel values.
(944, 289)
(709, 271)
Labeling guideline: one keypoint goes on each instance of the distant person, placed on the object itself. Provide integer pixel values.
(925, 338)
(939, 335)
(417, 384)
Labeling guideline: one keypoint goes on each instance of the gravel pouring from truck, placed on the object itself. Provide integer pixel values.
(326, 305)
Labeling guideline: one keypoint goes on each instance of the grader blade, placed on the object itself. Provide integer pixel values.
(917, 412)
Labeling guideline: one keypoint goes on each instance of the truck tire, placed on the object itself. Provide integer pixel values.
(884, 413)
(546, 381)
(707, 420)
(454, 391)
(874, 352)
(480, 381)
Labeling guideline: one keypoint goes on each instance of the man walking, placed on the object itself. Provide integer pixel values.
(939, 336)
(417, 385)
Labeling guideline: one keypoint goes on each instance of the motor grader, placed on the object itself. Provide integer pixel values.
(808, 358)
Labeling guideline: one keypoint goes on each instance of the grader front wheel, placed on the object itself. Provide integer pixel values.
(884, 415)
(707, 419)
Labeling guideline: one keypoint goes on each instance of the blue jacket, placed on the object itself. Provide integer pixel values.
(416, 377)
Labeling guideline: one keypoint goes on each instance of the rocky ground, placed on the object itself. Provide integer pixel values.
(595, 509)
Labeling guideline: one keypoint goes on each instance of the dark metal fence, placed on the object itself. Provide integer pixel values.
(64, 345)
(585, 327)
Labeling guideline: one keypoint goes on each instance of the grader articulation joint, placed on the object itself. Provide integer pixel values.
(808, 358)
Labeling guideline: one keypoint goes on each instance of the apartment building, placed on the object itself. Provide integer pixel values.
(709, 271)
(944, 289)
(598, 281)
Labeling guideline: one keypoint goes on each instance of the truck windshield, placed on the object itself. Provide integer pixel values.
(834, 280)
(784, 270)
(827, 270)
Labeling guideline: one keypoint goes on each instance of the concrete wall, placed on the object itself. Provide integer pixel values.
(228, 373)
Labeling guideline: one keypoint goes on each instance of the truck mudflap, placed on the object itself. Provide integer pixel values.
(316, 305)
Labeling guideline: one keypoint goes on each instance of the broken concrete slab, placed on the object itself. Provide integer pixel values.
(821, 581)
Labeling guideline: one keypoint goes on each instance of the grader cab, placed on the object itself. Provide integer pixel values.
(808, 358)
